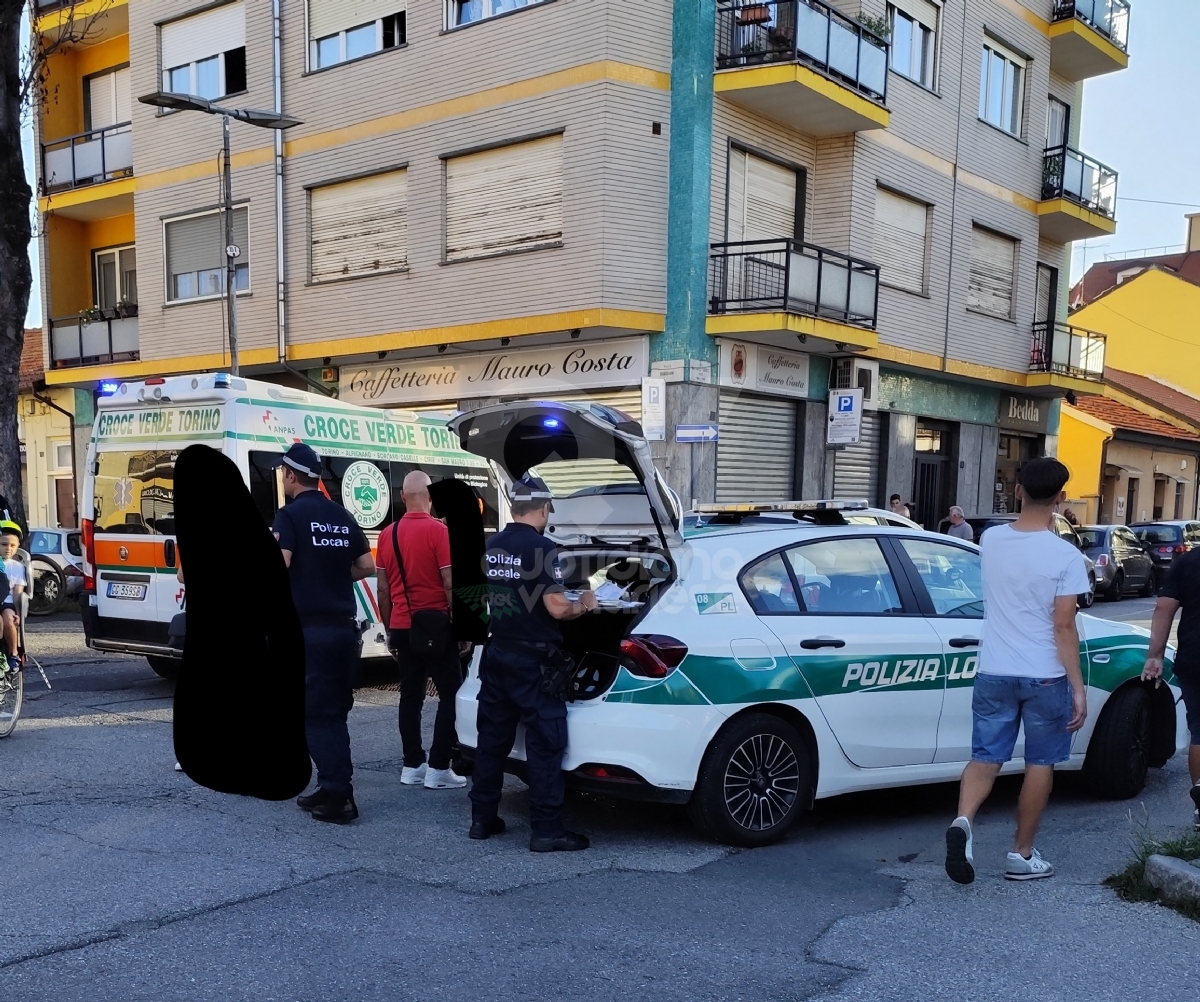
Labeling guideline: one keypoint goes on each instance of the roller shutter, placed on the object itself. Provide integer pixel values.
(359, 227)
(109, 102)
(325, 17)
(756, 451)
(193, 38)
(900, 228)
(762, 199)
(505, 199)
(993, 262)
(197, 243)
(856, 467)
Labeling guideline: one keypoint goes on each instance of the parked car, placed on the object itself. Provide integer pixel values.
(981, 523)
(748, 659)
(57, 563)
(1121, 561)
(1167, 540)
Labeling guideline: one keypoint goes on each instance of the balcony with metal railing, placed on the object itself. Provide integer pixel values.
(802, 63)
(88, 158)
(1089, 38)
(96, 338)
(1079, 196)
(755, 285)
(1059, 349)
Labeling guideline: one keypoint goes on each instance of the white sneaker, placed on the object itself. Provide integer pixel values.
(1020, 868)
(410, 776)
(959, 854)
(178, 767)
(1196, 812)
(444, 779)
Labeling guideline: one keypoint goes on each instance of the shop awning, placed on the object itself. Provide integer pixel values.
(1116, 469)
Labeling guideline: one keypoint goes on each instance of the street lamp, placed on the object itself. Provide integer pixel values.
(252, 116)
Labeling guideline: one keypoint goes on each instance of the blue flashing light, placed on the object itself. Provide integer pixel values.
(221, 381)
(108, 387)
(551, 422)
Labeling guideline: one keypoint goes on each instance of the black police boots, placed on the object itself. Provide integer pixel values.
(566, 842)
(311, 800)
(487, 828)
(336, 808)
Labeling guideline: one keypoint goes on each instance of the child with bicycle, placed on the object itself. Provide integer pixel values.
(14, 570)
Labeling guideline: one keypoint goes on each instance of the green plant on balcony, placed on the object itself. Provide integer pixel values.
(876, 25)
(91, 315)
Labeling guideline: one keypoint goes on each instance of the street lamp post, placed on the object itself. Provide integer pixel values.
(252, 116)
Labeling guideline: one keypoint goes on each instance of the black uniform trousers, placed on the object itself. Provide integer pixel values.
(509, 695)
(331, 660)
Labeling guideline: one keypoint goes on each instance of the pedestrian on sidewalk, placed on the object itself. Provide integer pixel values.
(414, 576)
(1182, 591)
(325, 552)
(1028, 669)
(896, 503)
(960, 528)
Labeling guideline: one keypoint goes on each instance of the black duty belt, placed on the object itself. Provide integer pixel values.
(527, 647)
(329, 620)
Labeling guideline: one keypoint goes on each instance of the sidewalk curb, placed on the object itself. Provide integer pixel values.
(1175, 879)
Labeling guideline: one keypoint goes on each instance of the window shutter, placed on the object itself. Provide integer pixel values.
(900, 232)
(198, 242)
(505, 199)
(919, 10)
(990, 286)
(360, 227)
(328, 16)
(217, 30)
(122, 99)
(762, 199)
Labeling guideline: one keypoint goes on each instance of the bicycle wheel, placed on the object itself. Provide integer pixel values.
(12, 695)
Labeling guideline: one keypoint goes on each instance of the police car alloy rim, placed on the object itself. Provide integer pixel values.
(762, 780)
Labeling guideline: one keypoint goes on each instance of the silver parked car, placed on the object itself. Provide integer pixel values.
(57, 565)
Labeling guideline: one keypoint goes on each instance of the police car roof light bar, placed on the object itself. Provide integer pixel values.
(771, 506)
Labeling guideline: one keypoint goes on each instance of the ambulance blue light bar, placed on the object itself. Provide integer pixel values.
(109, 387)
(766, 507)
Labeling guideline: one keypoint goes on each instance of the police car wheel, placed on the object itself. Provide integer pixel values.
(753, 782)
(1119, 753)
(167, 668)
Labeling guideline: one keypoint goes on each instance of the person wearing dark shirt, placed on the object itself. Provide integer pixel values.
(1182, 591)
(526, 603)
(325, 552)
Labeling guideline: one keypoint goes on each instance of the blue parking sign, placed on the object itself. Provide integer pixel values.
(845, 403)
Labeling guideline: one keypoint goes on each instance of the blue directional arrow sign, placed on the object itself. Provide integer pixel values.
(692, 433)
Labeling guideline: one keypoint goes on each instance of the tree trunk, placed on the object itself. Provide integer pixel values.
(15, 277)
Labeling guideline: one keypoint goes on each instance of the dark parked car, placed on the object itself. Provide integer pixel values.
(1122, 563)
(981, 523)
(1167, 540)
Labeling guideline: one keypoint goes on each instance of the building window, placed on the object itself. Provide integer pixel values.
(460, 12)
(505, 200)
(206, 54)
(1058, 123)
(901, 238)
(196, 255)
(1001, 87)
(765, 199)
(340, 31)
(115, 271)
(107, 99)
(359, 227)
(993, 267)
(914, 33)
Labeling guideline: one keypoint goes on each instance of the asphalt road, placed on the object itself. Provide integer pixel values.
(127, 882)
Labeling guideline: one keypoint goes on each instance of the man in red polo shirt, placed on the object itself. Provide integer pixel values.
(418, 580)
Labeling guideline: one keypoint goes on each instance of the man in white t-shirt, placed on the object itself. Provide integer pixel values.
(1028, 669)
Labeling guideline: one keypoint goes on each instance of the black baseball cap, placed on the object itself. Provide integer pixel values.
(303, 459)
(530, 488)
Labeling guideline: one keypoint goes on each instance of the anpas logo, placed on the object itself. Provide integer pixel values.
(277, 425)
(366, 494)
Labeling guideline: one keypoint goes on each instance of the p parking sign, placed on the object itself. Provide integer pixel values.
(845, 417)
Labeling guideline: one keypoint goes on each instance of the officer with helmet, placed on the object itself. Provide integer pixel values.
(523, 671)
(325, 552)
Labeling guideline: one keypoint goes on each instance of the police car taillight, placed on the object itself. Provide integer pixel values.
(87, 536)
(653, 656)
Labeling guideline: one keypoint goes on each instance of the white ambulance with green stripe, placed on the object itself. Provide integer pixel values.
(131, 590)
(748, 659)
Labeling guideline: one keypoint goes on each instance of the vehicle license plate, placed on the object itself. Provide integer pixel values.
(132, 592)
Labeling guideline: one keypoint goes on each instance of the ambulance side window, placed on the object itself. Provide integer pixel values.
(263, 487)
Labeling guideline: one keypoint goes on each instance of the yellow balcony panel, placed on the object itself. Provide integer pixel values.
(97, 201)
(821, 335)
(1063, 221)
(1059, 381)
(87, 22)
(1079, 51)
(800, 98)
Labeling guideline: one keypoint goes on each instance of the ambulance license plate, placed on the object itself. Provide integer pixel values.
(131, 592)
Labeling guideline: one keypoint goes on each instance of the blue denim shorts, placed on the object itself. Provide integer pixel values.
(1002, 703)
(1189, 684)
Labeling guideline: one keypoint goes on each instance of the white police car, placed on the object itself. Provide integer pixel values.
(748, 659)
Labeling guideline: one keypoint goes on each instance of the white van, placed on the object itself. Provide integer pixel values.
(131, 593)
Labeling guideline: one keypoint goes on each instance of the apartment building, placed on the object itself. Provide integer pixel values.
(755, 201)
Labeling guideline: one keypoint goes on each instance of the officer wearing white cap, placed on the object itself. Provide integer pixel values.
(523, 670)
(326, 552)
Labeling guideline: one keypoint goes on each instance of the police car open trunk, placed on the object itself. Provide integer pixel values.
(614, 518)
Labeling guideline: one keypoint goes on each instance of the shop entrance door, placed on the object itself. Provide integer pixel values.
(929, 488)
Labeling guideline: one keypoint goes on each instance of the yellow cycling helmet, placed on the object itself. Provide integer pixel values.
(10, 527)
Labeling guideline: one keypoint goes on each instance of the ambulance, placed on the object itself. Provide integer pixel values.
(131, 591)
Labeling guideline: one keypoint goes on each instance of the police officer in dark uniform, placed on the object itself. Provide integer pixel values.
(526, 602)
(326, 552)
